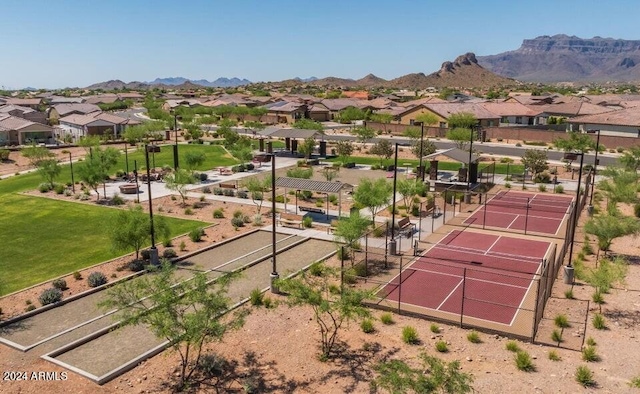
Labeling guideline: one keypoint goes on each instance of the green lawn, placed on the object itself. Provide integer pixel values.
(216, 156)
(44, 238)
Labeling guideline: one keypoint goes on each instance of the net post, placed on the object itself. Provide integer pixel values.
(484, 213)
(536, 320)
(464, 281)
(400, 287)
(526, 218)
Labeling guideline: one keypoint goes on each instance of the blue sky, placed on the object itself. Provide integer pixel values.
(66, 43)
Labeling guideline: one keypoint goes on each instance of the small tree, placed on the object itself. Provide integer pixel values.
(435, 375)
(363, 134)
(254, 127)
(351, 114)
(461, 137)
(608, 227)
(385, 119)
(257, 188)
(307, 146)
(576, 142)
(350, 230)
(427, 118)
(331, 307)
(193, 160)
(188, 314)
(428, 147)
(49, 170)
(178, 182)
(130, 229)
(242, 152)
(345, 150)
(36, 154)
(330, 173)
(408, 188)
(308, 124)
(96, 167)
(631, 159)
(535, 160)
(463, 120)
(373, 195)
(383, 149)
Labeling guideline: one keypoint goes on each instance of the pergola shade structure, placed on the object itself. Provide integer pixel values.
(458, 155)
(327, 188)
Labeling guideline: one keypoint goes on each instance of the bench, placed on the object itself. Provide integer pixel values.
(129, 189)
(225, 171)
(290, 220)
(228, 186)
(311, 209)
(428, 209)
(405, 226)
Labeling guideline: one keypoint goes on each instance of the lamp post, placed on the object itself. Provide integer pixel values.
(126, 159)
(73, 183)
(274, 271)
(468, 197)
(175, 147)
(421, 147)
(595, 167)
(153, 252)
(392, 243)
(569, 270)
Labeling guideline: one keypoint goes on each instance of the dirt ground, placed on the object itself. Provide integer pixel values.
(276, 350)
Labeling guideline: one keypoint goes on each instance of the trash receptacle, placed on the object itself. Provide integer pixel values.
(392, 248)
(568, 274)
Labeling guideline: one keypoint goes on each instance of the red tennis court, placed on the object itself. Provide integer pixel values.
(535, 212)
(492, 274)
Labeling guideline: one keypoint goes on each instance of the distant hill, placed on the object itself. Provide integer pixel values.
(118, 84)
(563, 58)
(218, 83)
(371, 81)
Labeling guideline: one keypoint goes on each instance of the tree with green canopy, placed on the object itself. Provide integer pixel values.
(385, 119)
(535, 160)
(350, 230)
(131, 229)
(577, 141)
(383, 149)
(607, 227)
(257, 188)
(344, 150)
(307, 146)
(308, 124)
(178, 182)
(373, 194)
(363, 133)
(462, 120)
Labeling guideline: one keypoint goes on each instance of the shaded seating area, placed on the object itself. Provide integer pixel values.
(441, 180)
(327, 188)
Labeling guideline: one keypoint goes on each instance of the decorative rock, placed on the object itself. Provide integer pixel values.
(469, 358)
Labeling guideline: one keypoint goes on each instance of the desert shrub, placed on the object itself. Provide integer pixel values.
(553, 356)
(589, 354)
(218, 213)
(524, 362)
(512, 346)
(203, 177)
(169, 253)
(317, 269)
(117, 200)
(559, 189)
(44, 187)
(50, 296)
(188, 211)
(568, 294)
(256, 297)
(561, 321)
(410, 335)
(77, 275)
(591, 341)
(196, 234)
(217, 191)
(518, 144)
(237, 222)
(183, 246)
(167, 242)
(367, 326)
(584, 376)
(507, 185)
(379, 231)
(228, 192)
(30, 308)
(4, 154)
(635, 382)
(474, 337)
(386, 318)
(59, 188)
(599, 322)
(442, 346)
(307, 221)
(145, 254)
(206, 190)
(619, 149)
(333, 199)
(68, 193)
(556, 336)
(434, 328)
(242, 194)
(59, 284)
(238, 214)
(636, 210)
(597, 297)
(257, 220)
(268, 303)
(136, 265)
(96, 279)
(542, 188)
(246, 219)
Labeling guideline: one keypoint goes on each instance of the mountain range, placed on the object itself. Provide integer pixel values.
(561, 58)
(218, 83)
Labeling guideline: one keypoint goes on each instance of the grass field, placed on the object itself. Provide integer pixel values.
(501, 168)
(216, 156)
(46, 238)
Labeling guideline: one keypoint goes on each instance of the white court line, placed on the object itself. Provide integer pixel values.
(451, 293)
(493, 244)
(511, 256)
(513, 222)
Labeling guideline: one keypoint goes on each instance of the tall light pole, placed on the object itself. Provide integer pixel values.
(468, 198)
(126, 159)
(569, 271)
(153, 251)
(421, 146)
(175, 147)
(73, 183)
(595, 168)
(274, 269)
(392, 243)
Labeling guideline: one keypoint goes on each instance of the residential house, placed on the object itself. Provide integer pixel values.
(336, 105)
(318, 112)
(568, 110)
(96, 123)
(24, 113)
(443, 111)
(512, 113)
(172, 104)
(33, 103)
(623, 122)
(286, 112)
(61, 110)
(19, 131)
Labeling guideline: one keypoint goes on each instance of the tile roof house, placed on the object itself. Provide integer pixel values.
(18, 131)
(286, 111)
(96, 123)
(25, 102)
(568, 110)
(171, 104)
(623, 122)
(25, 113)
(512, 113)
(444, 110)
(61, 110)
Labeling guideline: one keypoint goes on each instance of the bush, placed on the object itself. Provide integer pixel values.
(59, 188)
(379, 231)
(218, 191)
(59, 284)
(256, 297)
(117, 200)
(169, 253)
(206, 190)
(474, 337)
(591, 341)
(145, 254)
(559, 189)
(512, 346)
(30, 308)
(203, 177)
(183, 246)
(387, 319)
(599, 322)
(442, 346)
(619, 149)
(50, 296)
(238, 214)
(307, 221)
(543, 177)
(44, 187)
(568, 294)
(584, 376)
(188, 211)
(597, 297)
(228, 192)
(635, 382)
(237, 222)
(242, 194)
(257, 220)
(553, 356)
(167, 243)
(524, 361)
(77, 276)
(556, 336)
(434, 328)
(96, 279)
(589, 354)
(317, 269)
(561, 321)
(218, 213)
(507, 185)
(636, 210)
(367, 326)
(4, 154)
(196, 234)
(410, 335)
(136, 265)
(542, 188)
